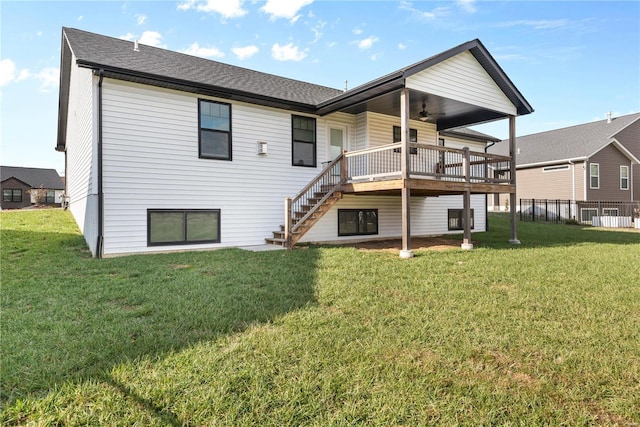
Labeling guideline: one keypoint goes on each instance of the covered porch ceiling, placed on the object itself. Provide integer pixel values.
(445, 113)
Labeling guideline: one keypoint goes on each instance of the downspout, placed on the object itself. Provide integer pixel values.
(100, 240)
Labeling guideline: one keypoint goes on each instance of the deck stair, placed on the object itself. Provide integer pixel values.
(304, 210)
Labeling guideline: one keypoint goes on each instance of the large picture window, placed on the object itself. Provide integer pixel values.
(214, 119)
(594, 174)
(11, 195)
(182, 227)
(303, 131)
(456, 219)
(624, 177)
(355, 222)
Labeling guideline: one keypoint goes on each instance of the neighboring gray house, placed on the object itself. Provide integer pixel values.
(597, 161)
(18, 183)
(166, 151)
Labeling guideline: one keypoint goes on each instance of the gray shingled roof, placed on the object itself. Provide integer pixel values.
(575, 142)
(97, 50)
(34, 177)
(467, 132)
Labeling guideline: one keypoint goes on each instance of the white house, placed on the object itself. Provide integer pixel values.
(166, 151)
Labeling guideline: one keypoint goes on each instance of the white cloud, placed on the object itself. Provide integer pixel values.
(150, 38)
(402, 46)
(141, 19)
(49, 78)
(80, 18)
(543, 24)
(288, 52)
(8, 72)
(317, 31)
(424, 15)
(367, 43)
(245, 52)
(357, 31)
(287, 9)
(226, 8)
(128, 36)
(205, 52)
(467, 5)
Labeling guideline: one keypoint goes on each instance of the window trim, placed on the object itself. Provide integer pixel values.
(375, 211)
(184, 212)
(585, 210)
(591, 176)
(315, 141)
(460, 218)
(200, 129)
(624, 167)
(12, 198)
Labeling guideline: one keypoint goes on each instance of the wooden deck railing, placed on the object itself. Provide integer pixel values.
(299, 208)
(427, 161)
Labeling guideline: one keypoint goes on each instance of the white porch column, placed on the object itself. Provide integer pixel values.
(406, 251)
(512, 196)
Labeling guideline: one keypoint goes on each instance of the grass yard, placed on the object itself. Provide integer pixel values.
(546, 333)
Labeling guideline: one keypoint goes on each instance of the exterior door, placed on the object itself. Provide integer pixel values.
(337, 140)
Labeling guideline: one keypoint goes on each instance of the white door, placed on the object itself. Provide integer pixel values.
(337, 140)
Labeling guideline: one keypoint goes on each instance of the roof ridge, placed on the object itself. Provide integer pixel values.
(200, 58)
(613, 119)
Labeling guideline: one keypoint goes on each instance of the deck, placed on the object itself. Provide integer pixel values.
(433, 171)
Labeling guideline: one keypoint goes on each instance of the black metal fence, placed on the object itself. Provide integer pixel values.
(581, 211)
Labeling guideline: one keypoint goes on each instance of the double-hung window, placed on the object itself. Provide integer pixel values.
(303, 146)
(624, 177)
(594, 175)
(397, 137)
(214, 119)
(182, 227)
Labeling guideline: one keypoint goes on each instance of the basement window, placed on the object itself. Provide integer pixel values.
(357, 222)
(182, 227)
(456, 219)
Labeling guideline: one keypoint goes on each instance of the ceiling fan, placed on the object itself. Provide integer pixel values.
(425, 115)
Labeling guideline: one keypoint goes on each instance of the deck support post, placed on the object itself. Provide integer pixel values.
(512, 196)
(287, 222)
(406, 251)
(466, 201)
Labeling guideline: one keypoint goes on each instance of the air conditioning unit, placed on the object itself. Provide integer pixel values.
(262, 148)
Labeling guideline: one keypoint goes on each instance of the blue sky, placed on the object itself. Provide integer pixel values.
(572, 60)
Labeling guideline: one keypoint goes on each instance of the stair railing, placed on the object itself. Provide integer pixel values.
(301, 207)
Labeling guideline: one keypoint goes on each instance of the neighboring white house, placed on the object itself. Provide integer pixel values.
(166, 151)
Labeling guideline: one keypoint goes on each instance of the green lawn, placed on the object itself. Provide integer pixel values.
(545, 333)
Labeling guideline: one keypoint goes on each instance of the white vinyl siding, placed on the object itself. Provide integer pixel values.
(82, 156)
(462, 78)
(151, 161)
(429, 216)
(380, 130)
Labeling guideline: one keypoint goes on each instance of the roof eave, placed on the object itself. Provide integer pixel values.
(202, 89)
(551, 162)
